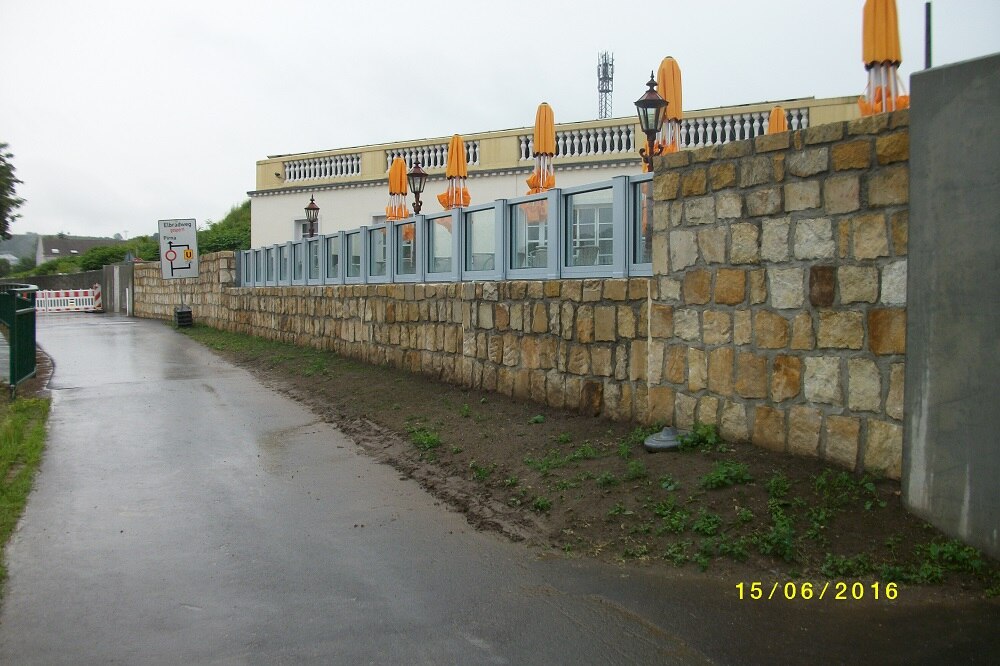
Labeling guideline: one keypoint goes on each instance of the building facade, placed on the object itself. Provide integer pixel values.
(350, 185)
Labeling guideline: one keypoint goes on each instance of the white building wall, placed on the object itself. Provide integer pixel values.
(274, 217)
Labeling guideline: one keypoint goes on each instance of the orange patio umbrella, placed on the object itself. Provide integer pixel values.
(777, 122)
(397, 210)
(668, 78)
(882, 56)
(543, 177)
(456, 172)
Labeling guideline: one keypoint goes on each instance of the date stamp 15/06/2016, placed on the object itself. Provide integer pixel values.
(835, 590)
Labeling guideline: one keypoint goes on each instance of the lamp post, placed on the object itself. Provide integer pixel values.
(312, 214)
(652, 110)
(416, 178)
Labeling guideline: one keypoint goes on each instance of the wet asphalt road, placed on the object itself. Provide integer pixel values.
(184, 513)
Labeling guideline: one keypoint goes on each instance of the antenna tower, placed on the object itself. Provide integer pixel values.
(605, 83)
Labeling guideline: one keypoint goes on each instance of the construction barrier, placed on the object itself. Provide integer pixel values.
(69, 300)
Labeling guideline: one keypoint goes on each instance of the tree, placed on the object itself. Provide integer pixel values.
(9, 201)
(230, 233)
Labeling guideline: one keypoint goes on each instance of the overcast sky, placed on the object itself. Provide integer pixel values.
(120, 113)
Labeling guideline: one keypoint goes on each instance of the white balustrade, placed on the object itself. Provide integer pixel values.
(712, 130)
(434, 156)
(695, 132)
(330, 166)
(583, 142)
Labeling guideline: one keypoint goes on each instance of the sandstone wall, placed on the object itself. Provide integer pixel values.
(575, 344)
(779, 311)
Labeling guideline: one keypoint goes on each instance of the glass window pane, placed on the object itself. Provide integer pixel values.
(643, 250)
(283, 262)
(376, 249)
(439, 245)
(333, 257)
(314, 260)
(529, 237)
(354, 255)
(297, 260)
(270, 263)
(589, 228)
(259, 261)
(405, 244)
(480, 240)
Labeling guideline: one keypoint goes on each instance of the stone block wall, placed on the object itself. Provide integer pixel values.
(572, 344)
(156, 298)
(779, 310)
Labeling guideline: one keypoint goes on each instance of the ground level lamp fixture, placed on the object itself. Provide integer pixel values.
(416, 178)
(652, 110)
(312, 214)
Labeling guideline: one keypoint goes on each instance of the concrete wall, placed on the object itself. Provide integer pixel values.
(84, 280)
(951, 468)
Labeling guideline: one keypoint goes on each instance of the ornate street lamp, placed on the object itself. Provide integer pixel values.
(652, 110)
(416, 178)
(312, 214)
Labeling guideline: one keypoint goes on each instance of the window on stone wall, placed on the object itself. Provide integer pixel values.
(591, 229)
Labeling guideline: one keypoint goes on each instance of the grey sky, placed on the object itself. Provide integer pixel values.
(120, 113)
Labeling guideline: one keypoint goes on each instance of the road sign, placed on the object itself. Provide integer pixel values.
(178, 249)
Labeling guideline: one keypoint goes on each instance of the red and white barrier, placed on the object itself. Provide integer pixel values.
(69, 300)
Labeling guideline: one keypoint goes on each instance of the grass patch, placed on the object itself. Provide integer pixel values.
(22, 440)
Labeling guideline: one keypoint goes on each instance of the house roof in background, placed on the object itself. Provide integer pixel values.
(65, 246)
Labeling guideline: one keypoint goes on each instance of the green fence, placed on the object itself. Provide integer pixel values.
(17, 316)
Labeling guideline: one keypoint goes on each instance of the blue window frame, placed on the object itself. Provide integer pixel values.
(532, 236)
(640, 225)
(354, 253)
(482, 242)
(406, 243)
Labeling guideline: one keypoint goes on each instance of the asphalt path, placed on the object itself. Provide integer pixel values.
(185, 513)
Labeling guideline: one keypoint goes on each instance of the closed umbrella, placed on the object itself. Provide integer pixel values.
(397, 210)
(456, 172)
(543, 177)
(668, 78)
(777, 122)
(882, 56)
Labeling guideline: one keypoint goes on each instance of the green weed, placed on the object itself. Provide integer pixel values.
(424, 438)
(619, 510)
(706, 523)
(541, 504)
(607, 479)
(676, 553)
(481, 472)
(703, 436)
(778, 485)
(725, 473)
(635, 470)
(779, 540)
(672, 518)
(668, 483)
(837, 565)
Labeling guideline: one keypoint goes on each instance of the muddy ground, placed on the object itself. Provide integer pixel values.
(579, 486)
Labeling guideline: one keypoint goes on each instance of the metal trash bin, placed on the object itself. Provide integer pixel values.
(183, 317)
